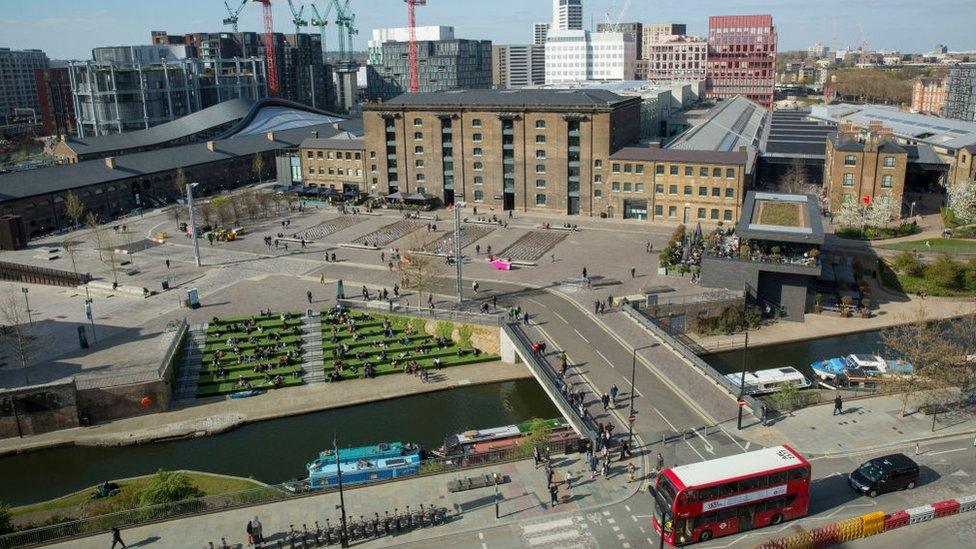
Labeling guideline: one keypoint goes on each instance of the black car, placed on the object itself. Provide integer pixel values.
(884, 474)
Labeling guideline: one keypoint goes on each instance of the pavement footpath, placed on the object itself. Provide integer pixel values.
(526, 496)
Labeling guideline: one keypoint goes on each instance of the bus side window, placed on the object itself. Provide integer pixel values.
(777, 478)
(707, 493)
(748, 484)
(726, 514)
(777, 503)
(707, 518)
(799, 474)
(729, 488)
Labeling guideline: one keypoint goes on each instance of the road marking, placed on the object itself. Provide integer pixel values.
(560, 317)
(604, 357)
(627, 507)
(606, 513)
(708, 446)
(633, 518)
(543, 526)
(748, 444)
(481, 535)
(484, 545)
(560, 536)
(635, 389)
(643, 516)
(642, 530)
(583, 337)
(649, 542)
(944, 452)
(671, 425)
(611, 521)
(732, 438)
(625, 545)
(615, 528)
(621, 537)
(693, 449)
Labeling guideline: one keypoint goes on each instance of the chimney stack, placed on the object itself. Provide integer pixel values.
(315, 134)
(211, 146)
(110, 162)
(270, 136)
(335, 126)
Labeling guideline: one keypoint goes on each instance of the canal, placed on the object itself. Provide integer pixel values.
(275, 451)
(798, 354)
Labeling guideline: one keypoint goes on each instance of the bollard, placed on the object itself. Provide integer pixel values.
(223, 543)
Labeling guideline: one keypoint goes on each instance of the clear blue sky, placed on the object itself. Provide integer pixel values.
(70, 28)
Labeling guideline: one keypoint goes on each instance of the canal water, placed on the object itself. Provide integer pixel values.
(798, 354)
(275, 451)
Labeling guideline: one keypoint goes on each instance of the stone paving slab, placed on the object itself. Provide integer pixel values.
(526, 497)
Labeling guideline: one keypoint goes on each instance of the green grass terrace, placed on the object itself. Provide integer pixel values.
(279, 342)
(947, 245)
(389, 350)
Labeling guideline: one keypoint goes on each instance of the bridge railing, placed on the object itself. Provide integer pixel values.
(398, 307)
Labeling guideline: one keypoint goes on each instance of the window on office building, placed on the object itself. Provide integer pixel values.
(540, 200)
(848, 180)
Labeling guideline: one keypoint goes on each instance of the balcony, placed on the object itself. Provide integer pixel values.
(447, 131)
(508, 161)
(391, 157)
(447, 145)
(508, 147)
(508, 132)
(448, 158)
(574, 164)
(574, 133)
(574, 148)
(391, 143)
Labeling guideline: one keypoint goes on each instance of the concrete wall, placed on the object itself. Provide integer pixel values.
(773, 282)
(38, 409)
(107, 403)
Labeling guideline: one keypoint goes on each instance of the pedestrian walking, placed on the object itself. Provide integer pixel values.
(333, 260)
(167, 264)
(569, 479)
(660, 463)
(592, 461)
(596, 307)
(605, 399)
(525, 318)
(430, 300)
(631, 472)
(322, 278)
(762, 414)
(624, 450)
(396, 291)
(489, 250)
(390, 265)
(584, 272)
(494, 301)
(838, 405)
(549, 473)
(475, 286)
(382, 257)
(477, 249)
(308, 294)
(613, 394)
(553, 494)
(606, 467)
(633, 272)
(552, 257)
(117, 537)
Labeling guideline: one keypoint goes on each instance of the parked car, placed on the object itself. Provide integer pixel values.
(884, 474)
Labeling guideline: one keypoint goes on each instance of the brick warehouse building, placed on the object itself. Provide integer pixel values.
(742, 57)
(515, 150)
(864, 163)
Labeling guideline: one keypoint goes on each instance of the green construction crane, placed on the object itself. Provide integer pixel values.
(321, 20)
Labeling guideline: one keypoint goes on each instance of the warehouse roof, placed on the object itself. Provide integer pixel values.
(792, 134)
(342, 140)
(91, 172)
(933, 130)
(657, 154)
(730, 125)
(245, 115)
(505, 98)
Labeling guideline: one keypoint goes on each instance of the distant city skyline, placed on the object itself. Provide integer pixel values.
(68, 29)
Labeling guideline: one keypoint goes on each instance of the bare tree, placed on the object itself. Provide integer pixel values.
(420, 271)
(251, 205)
(923, 344)
(105, 243)
(795, 179)
(257, 166)
(16, 332)
(75, 210)
(179, 185)
(264, 202)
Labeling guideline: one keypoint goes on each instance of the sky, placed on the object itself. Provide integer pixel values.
(69, 29)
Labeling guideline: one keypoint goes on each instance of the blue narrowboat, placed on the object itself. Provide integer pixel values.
(363, 464)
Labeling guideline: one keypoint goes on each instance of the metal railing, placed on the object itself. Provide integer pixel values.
(173, 354)
(397, 307)
(704, 297)
(251, 497)
(688, 354)
(547, 378)
(30, 274)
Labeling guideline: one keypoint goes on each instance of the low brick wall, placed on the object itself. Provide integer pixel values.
(108, 403)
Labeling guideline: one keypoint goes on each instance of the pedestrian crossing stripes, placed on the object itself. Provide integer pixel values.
(567, 532)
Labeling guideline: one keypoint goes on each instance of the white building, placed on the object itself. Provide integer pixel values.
(674, 58)
(518, 66)
(574, 55)
(818, 51)
(539, 33)
(567, 15)
(374, 47)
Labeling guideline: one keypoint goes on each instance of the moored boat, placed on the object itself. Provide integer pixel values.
(363, 464)
(473, 443)
(769, 381)
(855, 368)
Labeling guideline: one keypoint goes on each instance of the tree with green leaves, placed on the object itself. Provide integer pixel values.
(167, 487)
(5, 526)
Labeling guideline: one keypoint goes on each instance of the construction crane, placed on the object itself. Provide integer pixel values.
(614, 26)
(412, 46)
(321, 20)
(346, 28)
(232, 14)
(296, 18)
(269, 47)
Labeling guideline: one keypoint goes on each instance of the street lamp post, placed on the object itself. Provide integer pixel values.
(343, 537)
(742, 380)
(633, 389)
(193, 223)
(457, 249)
(27, 301)
(912, 212)
(91, 316)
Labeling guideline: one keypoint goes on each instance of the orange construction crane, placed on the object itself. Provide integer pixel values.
(269, 48)
(412, 47)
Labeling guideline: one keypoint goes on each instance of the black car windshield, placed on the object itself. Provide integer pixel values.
(870, 471)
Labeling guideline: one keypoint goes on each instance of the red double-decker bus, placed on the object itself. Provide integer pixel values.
(732, 494)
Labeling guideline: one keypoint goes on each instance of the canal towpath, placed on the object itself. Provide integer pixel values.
(526, 496)
(213, 416)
